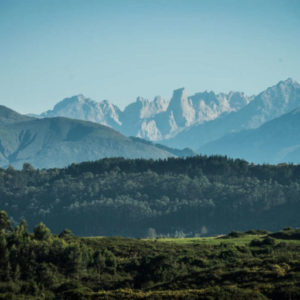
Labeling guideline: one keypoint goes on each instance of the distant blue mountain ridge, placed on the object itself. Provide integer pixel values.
(262, 128)
(205, 121)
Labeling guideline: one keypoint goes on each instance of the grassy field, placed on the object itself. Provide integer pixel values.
(244, 239)
(212, 240)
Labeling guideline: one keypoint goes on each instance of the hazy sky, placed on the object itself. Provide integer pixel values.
(118, 50)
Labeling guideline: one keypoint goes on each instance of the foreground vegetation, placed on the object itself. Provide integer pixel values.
(253, 265)
(177, 197)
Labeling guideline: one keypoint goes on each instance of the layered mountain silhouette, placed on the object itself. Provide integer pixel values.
(271, 103)
(153, 120)
(275, 141)
(59, 141)
(232, 124)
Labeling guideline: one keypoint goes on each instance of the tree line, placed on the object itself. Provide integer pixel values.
(188, 196)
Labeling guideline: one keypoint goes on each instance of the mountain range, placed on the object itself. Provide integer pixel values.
(153, 120)
(205, 121)
(261, 128)
(59, 141)
(275, 141)
(269, 104)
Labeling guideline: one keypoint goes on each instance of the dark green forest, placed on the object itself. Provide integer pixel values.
(252, 265)
(177, 197)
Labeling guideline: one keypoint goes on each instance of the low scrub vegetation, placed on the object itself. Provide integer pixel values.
(253, 265)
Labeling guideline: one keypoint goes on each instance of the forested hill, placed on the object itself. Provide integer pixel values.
(194, 196)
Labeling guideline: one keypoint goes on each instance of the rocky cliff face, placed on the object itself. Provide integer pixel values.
(79, 107)
(184, 111)
(271, 103)
(153, 120)
(186, 121)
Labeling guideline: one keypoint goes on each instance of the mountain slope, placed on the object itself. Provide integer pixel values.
(8, 116)
(186, 152)
(57, 142)
(274, 142)
(273, 102)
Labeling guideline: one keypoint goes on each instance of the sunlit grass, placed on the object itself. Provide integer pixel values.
(212, 240)
(243, 240)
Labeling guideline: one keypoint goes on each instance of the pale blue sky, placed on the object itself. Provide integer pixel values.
(118, 50)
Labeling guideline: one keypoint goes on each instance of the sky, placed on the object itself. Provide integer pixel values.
(120, 49)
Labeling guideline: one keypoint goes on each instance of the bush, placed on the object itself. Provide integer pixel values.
(268, 241)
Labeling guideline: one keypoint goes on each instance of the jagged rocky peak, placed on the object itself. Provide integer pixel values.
(182, 108)
(135, 109)
(208, 105)
(271, 103)
(109, 107)
(290, 81)
(222, 102)
(179, 96)
(149, 131)
(160, 119)
(80, 98)
(80, 107)
(160, 103)
(105, 102)
(284, 94)
(74, 102)
(142, 108)
(69, 101)
(209, 99)
(181, 92)
(282, 87)
(142, 101)
(237, 100)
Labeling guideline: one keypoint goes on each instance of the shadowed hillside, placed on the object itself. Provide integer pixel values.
(58, 142)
